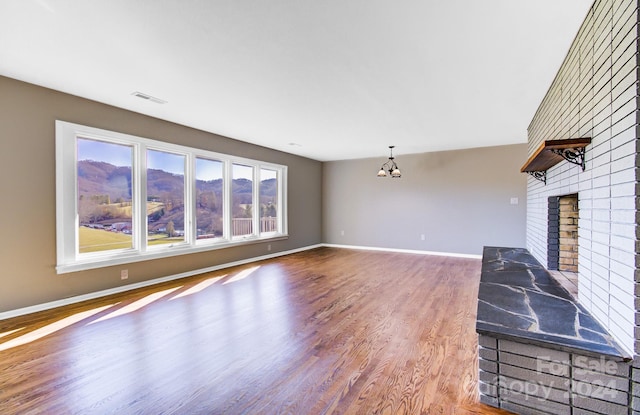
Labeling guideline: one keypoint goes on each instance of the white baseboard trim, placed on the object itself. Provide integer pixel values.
(116, 290)
(405, 251)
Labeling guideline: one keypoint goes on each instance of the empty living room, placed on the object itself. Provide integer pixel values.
(300, 207)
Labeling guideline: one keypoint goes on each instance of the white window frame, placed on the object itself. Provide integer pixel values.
(67, 219)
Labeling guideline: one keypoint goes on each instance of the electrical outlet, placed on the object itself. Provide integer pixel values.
(422, 237)
(269, 247)
(342, 233)
(124, 274)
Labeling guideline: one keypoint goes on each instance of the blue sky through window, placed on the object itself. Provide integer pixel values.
(122, 155)
(116, 154)
(169, 162)
(208, 170)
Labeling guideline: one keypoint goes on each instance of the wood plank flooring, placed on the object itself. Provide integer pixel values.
(326, 331)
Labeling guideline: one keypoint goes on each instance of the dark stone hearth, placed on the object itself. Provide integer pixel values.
(507, 298)
(520, 301)
(557, 316)
(515, 278)
(521, 322)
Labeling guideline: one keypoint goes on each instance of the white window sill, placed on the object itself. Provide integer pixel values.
(126, 257)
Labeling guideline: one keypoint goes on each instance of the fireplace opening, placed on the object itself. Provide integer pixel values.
(562, 243)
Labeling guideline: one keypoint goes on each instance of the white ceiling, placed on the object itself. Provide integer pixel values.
(325, 79)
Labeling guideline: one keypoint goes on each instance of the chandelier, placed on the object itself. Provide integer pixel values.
(390, 166)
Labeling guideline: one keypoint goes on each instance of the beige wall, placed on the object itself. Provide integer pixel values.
(27, 186)
(460, 200)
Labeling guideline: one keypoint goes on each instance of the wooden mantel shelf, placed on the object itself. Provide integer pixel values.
(552, 152)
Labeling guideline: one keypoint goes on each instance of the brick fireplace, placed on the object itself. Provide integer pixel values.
(581, 219)
(568, 232)
(562, 234)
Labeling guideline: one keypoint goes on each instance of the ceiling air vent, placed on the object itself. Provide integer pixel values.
(148, 97)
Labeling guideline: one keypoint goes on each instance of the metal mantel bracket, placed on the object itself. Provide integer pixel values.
(540, 175)
(572, 155)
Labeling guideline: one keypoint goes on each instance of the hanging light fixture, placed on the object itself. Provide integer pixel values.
(390, 166)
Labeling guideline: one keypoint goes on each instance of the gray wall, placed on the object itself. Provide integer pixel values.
(460, 200)
(27, 186)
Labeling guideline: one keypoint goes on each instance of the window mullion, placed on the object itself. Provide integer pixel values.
(228, 203)
(256, 200)
(190, 211)
(282, 200)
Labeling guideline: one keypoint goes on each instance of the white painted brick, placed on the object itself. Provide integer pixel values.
(602, 193)
(603, 249)
(600, 226)
(601, 204)
(599, 159)
(621, 330)
(584, 203)
(623, 117)
(595, 92)
(622, 318)
(602, 215)
(598, 239)
(623, 163)
(623, 176)
(626, 230)
(601, 181)
(623, 150)
(623, 189)
(622, 256)
(623, 203)
(628, 121)
(599, 305)
(624, 216)
(622, 276)
(627, 136)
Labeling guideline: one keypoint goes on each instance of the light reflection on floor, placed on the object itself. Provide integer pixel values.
(7, 333)
(136, 305)
(199, 287)
(51, 328)
(241, 275)
(204, 336)
(130, 308)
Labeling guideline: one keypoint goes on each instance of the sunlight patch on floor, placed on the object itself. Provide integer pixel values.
(241, 275)
(136, 305)
(51, 328)
(199, 287)
(6, 333)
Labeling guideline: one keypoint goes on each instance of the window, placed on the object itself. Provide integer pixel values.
(104, 196)
(209, 199)
(121, 198)
(165, 198)
(268, 201)
(242, 200)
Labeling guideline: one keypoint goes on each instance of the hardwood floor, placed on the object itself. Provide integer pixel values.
(327, 331)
